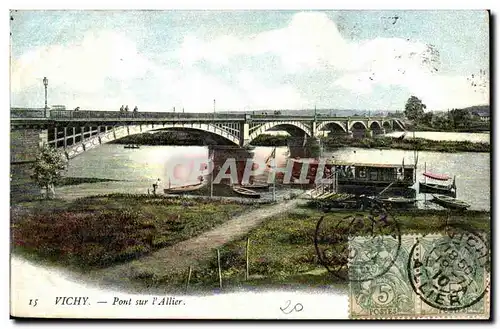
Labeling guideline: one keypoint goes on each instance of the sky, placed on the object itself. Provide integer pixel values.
(250, 60)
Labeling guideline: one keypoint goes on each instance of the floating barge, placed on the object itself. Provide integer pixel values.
(351, 176)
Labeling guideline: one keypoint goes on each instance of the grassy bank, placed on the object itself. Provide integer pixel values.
(282, 253)
(191, 138)
(101, 231)
(420, 144)
(81, 180)
(271, 140)
(473, 128)
(383, 142)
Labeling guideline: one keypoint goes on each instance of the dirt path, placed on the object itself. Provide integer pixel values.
(193, 251)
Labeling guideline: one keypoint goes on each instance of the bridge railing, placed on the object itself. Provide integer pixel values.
(27, 113)
(63, 114)
(68, 114)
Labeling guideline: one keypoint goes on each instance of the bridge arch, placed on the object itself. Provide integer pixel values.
(292, 127)
(332, 125)
(358, 125)
(375, 125)
(122, 131)
(387, 125)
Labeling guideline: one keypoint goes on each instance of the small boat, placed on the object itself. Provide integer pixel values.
(436, 188)
(256, 186)
(131, 146)
(398, 200)
(245, 192)
(449, 202)
(183, 189)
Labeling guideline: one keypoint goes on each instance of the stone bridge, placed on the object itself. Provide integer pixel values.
(75, 132)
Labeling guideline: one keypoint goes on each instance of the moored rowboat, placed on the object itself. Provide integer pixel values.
(183, 189)
(256, 186)
(449, 202)
(399, 200)
(245, 192)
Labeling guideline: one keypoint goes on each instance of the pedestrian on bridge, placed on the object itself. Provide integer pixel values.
(121, 109)
(126, 108)
(136, 109)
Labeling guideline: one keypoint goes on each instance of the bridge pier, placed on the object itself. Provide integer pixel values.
(377, 132)
(359, 133)
(245, 134)
(24, 145)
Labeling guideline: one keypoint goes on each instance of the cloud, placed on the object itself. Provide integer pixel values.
(309, 41)
(312, 41)
(81, 66)
(105, 69)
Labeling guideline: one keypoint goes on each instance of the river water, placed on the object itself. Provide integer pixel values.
(472, 170)
(135, 170)
(446, 136)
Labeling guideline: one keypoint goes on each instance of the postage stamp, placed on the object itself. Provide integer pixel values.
(434, 276)
(250, 164)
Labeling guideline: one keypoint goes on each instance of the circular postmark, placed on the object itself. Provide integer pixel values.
(358, 248)
(449, 272)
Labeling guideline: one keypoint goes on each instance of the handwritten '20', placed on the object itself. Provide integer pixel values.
(287, 309)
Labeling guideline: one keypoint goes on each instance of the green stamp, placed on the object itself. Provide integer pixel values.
(384, 296)
(434, 276)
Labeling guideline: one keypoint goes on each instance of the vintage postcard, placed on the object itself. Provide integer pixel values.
(250, 164)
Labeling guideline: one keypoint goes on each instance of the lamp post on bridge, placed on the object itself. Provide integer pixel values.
(45, 83)
(214, 109)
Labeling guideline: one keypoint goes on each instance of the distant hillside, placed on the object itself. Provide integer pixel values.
(480, 109)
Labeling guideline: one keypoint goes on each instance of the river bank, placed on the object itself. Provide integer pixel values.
(193, 138)
(128, 234)
(70, 181)
(479, 127)
(101, 231)
(332, 142)
(419, 144)
(383, 142)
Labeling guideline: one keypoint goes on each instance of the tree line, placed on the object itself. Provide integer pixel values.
(452, 120)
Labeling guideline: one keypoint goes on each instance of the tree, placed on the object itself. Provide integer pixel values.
(427, 118)
(414, 108)
(48, 168)
(442, 122)
(461, 118)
